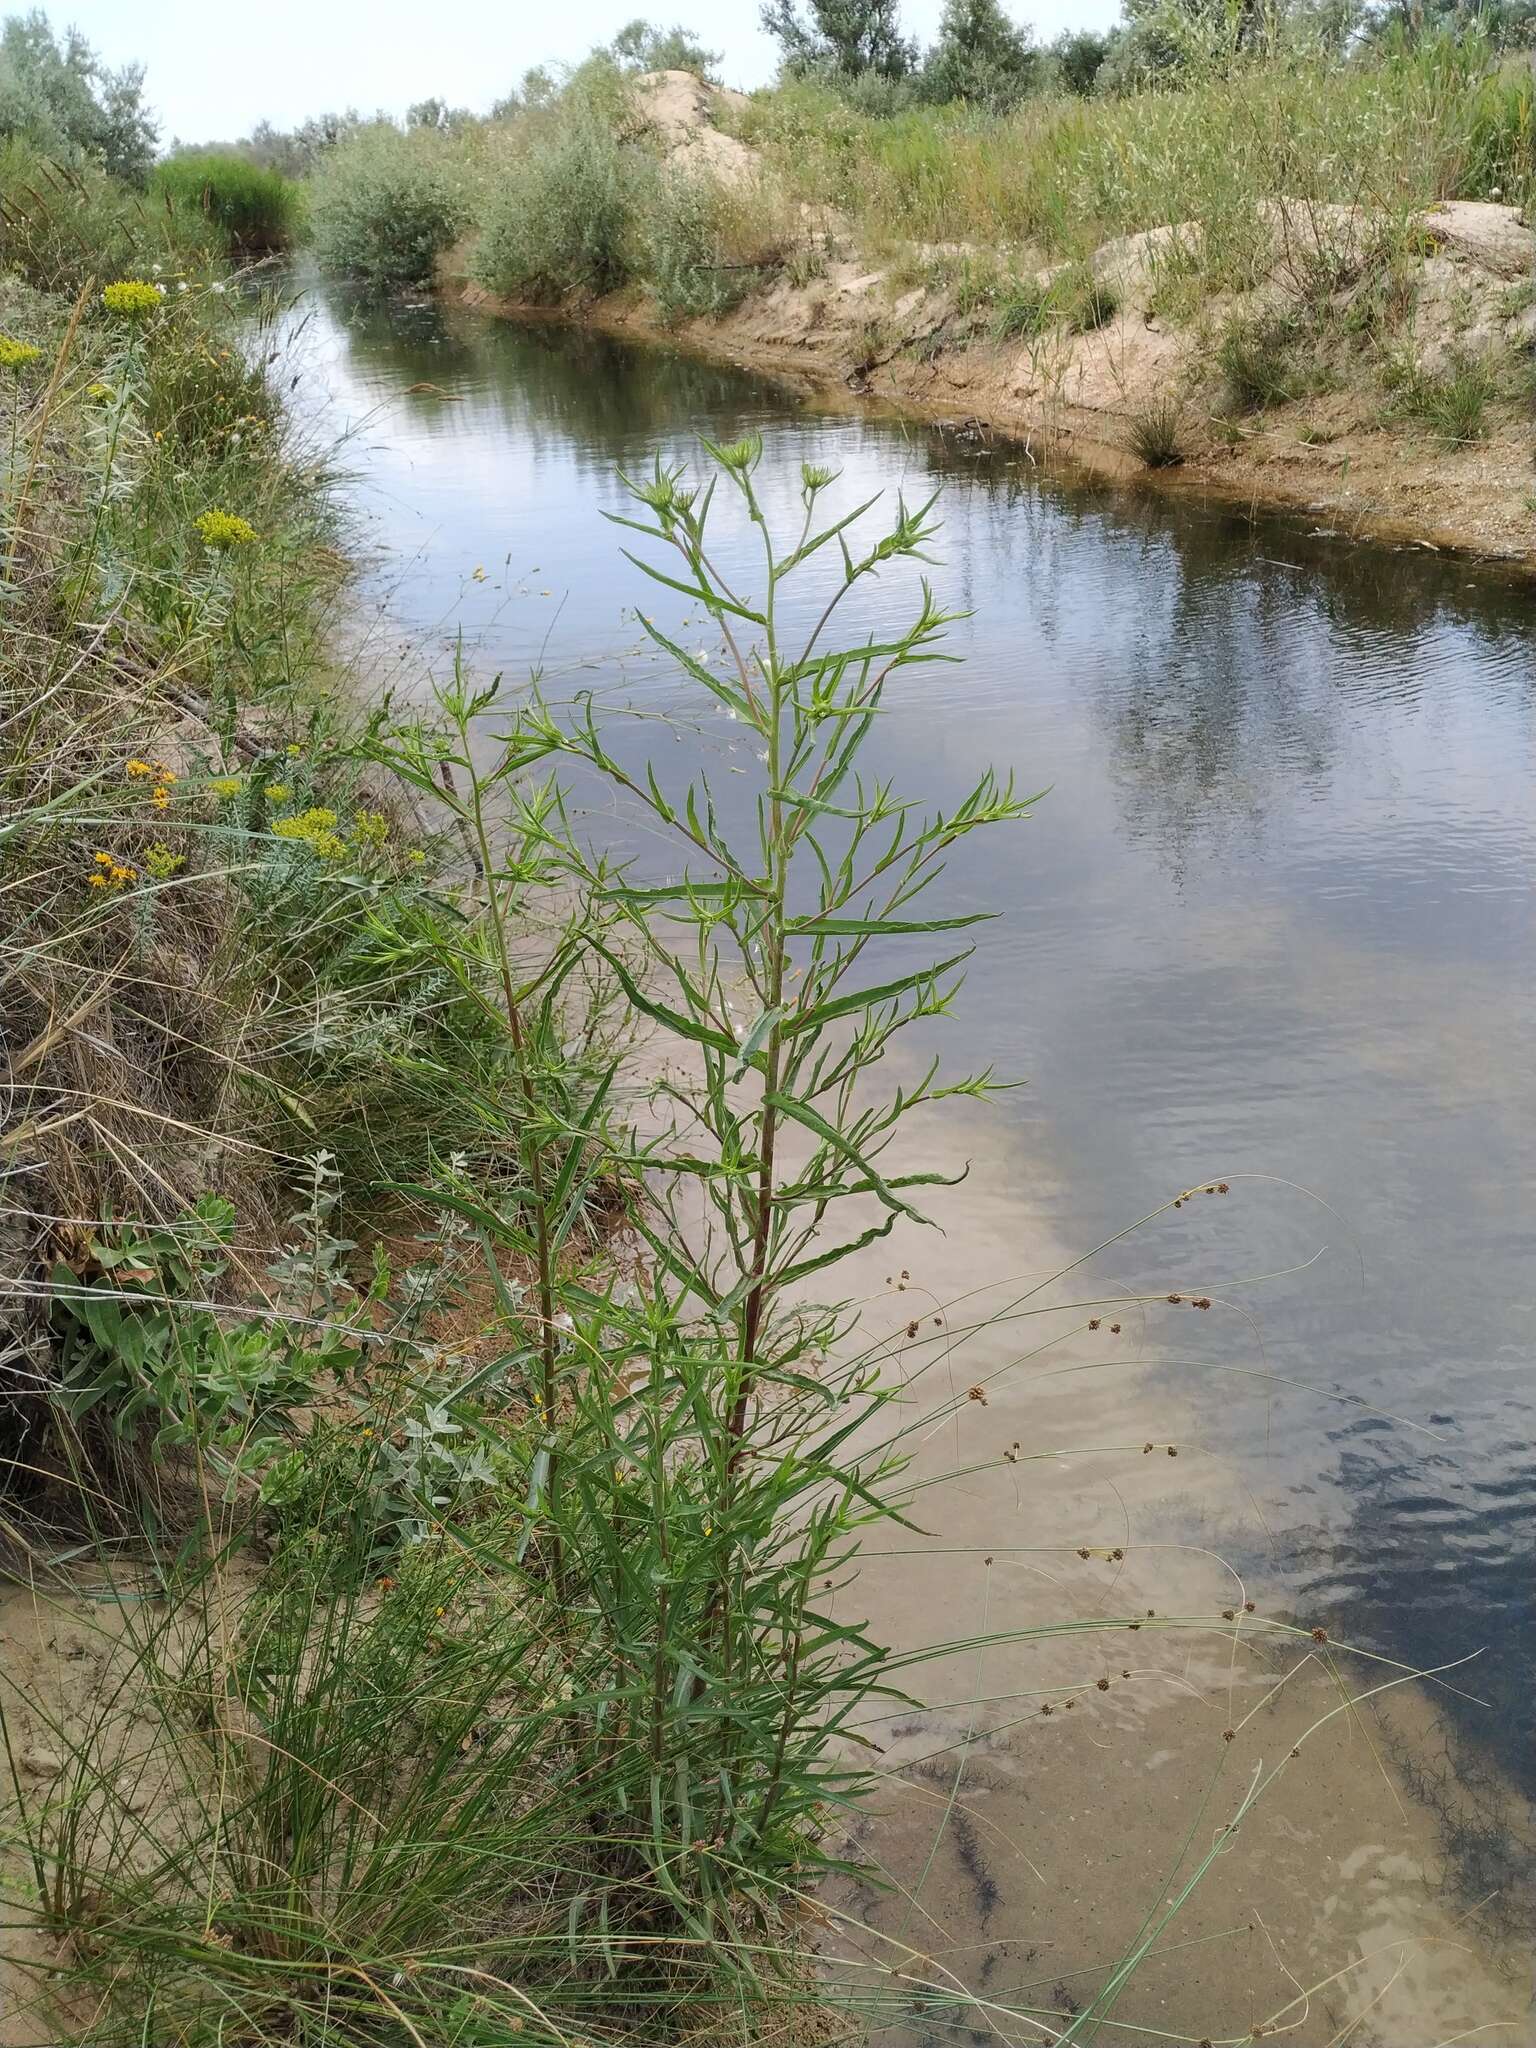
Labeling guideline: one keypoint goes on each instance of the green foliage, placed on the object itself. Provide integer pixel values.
(980, 57)
(564, 217)
(1081, 301)
(58, 96)
(294, 152)
(385, 204)
(1076, 57)
(1022, 309)
(64, 225)
(687, 251)
(128, 1343)
(257, 210)
(1066, 174)
(843, 37)
(436, 116)
(642, 46)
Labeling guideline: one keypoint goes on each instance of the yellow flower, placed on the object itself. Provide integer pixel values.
(315, 829)
(370, 830)
(103, 394)
(15, 355)
(224, 530)
(416, 857)
(160, 798)
(293, 750)
(131, 297)
(109, 873)
(226, 785)
(139, 769)
(278, 792)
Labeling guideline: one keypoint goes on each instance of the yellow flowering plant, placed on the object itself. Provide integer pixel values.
(314, 829)
(225, 530)
(15, 355)
(370, 831)
(107, 874)
(131, 297)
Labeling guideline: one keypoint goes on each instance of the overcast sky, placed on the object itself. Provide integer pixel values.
(213, 71)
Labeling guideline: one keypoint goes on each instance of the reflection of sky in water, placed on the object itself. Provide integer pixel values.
(1274, 918)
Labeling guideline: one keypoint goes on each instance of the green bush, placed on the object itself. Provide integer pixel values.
(61, 226)
(258, 211)
(565, 219)
(385, 204)
(697, 248)
(1083, 301)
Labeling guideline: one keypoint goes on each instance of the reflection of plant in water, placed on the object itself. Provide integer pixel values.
(1487, 1833)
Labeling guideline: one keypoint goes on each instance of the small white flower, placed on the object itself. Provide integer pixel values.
(563, 1322)
(181, 284)
(218, 288)
(155, 267)
(234, 440)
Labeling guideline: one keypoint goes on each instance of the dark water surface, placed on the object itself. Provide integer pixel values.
(1275, 916)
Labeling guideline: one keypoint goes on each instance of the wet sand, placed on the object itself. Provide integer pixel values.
(1049, 1802)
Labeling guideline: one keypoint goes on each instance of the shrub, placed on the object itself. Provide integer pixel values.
(257, 210)
(385, 204)
(60, 97)
(696, 246)
(564, 219)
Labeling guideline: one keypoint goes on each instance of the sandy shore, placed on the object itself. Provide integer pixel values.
(1340, 452)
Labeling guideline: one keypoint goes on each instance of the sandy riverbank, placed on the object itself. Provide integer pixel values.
(1343, 449)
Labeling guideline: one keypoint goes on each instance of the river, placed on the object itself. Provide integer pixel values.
(1272, 923)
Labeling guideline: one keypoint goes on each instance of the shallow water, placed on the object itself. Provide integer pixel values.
(1273, 919)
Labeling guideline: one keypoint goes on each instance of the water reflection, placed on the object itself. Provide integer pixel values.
(1274, 920)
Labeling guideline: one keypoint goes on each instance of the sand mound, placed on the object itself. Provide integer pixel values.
(682, 111)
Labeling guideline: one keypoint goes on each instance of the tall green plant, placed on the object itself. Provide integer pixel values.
(784, 923)
(704, 1456)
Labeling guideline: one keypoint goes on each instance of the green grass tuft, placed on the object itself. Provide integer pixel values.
(1452, 402)
(257, 211)
(1256, 356)
(1155, 436)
